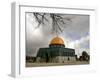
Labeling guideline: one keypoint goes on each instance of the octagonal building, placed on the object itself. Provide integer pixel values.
(56, 52)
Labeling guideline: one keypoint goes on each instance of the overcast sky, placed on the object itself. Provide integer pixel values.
(75, 34)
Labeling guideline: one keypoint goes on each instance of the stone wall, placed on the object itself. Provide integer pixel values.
(58, 59)
(62, 59)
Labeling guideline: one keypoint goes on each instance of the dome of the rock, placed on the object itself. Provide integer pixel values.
(56, 52)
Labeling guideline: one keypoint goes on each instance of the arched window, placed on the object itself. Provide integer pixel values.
(68, 58)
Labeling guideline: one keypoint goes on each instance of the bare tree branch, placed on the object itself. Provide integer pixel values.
(57, 21)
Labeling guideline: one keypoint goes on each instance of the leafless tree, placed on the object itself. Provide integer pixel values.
(57, 21)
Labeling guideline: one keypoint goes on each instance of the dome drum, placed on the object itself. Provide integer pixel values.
(56, 45)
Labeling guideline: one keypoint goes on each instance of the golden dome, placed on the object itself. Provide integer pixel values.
(57, 40)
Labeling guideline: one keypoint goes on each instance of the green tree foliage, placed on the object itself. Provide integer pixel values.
(85, 56)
